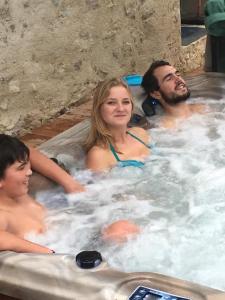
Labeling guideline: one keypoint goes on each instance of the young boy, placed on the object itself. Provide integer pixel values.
(19, 214)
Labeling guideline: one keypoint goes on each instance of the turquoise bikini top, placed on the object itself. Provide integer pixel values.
(129, 162)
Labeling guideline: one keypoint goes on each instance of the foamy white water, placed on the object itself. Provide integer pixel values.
(178, 200)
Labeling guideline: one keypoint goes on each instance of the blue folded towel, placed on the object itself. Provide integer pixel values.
(133, 79)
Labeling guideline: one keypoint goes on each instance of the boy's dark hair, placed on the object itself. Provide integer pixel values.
(11, 150)
(149, 81)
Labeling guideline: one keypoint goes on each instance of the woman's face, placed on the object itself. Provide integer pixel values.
(117, 108)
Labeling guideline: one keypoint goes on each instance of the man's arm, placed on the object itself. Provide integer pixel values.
(10, 242)
(45, 166)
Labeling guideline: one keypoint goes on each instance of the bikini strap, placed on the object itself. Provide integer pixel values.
(114, 152)
(138, 139)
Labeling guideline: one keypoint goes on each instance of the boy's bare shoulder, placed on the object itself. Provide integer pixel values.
(4, 218)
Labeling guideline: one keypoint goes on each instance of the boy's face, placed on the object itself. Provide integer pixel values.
(16, 179)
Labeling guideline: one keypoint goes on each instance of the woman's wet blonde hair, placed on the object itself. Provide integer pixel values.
(99, 133)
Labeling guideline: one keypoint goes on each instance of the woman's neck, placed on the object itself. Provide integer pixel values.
(119, 134)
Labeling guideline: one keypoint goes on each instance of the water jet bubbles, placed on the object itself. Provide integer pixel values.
(177, 199)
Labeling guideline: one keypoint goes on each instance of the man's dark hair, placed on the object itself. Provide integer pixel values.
(11, 150)
(149, 81)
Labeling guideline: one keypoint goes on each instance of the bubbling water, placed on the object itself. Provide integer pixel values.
(177, 199)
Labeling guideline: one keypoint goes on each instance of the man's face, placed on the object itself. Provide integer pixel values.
(172, 87)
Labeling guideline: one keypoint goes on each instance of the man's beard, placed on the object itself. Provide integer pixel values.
(174, 98)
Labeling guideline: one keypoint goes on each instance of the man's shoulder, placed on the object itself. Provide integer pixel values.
(199, 108)
(168, 122)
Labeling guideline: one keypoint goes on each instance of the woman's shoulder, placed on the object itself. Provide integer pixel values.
(140, 133)
(97, 158)
(97, 150)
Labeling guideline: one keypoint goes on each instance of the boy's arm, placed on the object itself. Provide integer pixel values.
(10, 242)
(45, 166)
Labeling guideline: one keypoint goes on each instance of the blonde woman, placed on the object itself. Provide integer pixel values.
(110, 141)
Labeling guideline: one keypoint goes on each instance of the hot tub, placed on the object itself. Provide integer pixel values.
(179, 244)
(30, 276)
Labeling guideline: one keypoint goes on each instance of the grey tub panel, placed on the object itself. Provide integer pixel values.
(38, 276)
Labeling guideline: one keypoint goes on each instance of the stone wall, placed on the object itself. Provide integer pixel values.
(52, 52)
(192, 56)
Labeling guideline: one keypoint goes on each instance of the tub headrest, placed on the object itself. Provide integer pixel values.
(149, 104)
(133, 79)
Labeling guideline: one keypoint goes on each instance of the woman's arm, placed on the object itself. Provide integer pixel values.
(45, 166)
(10, 242)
